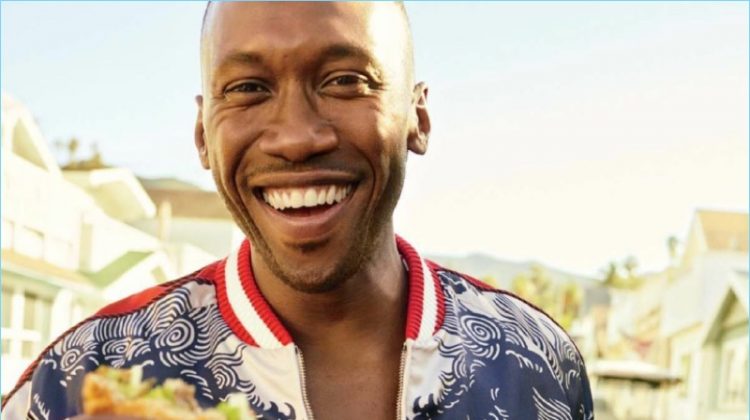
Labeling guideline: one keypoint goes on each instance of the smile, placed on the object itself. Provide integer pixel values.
(306, 207)
(308, 197)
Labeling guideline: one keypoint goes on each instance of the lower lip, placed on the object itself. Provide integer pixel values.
(305, 224)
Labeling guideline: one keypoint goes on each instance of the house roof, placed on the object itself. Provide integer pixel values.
(193, 203)
(166, 184)
(15, 261)
(736, 290)
(22, 136)
(723, 230)
(691, 298)
(115, 269)
(116, 190)
(740, 288)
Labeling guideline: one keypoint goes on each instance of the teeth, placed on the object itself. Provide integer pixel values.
(284, 198)
(321, 198)
(331, 194)
(296, 200)
(311, 198)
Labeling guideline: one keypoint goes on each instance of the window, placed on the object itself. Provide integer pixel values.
(25, 324)
(5, 347)
(7, 302)
(685, 365)
(36, 323)
(733, 381)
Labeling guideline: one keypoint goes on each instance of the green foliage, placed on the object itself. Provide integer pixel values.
(622, 276)
(562, 301)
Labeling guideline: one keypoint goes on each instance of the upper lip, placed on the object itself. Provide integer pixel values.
(302, 179)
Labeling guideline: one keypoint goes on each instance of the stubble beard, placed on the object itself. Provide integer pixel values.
(358, 255)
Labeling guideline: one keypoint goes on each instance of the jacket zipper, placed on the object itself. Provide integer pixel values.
(301, 366)
(401, 380)
(306, 401)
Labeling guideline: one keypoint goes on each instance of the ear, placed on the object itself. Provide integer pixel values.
(200, 135)
(419, 125)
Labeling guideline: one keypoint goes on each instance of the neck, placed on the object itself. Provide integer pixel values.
(369, 307)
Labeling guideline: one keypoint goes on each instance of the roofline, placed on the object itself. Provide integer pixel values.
(709, 327)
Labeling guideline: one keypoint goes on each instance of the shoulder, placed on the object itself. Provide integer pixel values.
(521, 322)
(517, 341)
(148, 296)
(144, 300)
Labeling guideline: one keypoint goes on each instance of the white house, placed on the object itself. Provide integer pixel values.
(675, 346)
(42, 219)
(705, 320)
(724, 351)
(69, 244)
(188, 215)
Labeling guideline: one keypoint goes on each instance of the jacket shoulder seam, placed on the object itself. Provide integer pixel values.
(484, 287)
(168, 288)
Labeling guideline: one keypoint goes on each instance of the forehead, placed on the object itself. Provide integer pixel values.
(287, 28)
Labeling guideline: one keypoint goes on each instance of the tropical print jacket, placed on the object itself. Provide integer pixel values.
(470, 351)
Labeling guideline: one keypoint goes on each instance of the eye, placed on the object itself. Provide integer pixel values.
(348, 79)
(246, 88)
(346, 85)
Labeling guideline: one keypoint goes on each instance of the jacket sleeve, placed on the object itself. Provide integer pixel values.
(582, 401)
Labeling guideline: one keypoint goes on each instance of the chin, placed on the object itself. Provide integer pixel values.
(307, 275)
(318, 280)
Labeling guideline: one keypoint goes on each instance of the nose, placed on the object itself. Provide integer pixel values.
(297, 131)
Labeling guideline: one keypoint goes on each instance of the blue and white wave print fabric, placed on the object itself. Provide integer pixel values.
(493, 357)
(500, 358)
(177, 337)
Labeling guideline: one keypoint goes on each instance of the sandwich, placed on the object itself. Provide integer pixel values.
(110, 391)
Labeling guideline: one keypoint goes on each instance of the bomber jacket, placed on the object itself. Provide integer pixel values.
(470, 351)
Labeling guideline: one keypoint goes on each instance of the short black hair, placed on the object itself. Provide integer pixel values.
(401, 6)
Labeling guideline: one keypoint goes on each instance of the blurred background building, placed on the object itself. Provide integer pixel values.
(82, 235)
(671, 344)
(665, 345)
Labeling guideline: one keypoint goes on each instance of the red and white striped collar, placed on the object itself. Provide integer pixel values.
(251, 318)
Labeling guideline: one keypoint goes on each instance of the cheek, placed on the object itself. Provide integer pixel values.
(232, 139)
(390, 145)
(377, 134)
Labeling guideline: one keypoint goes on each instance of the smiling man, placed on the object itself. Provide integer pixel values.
(307, 114)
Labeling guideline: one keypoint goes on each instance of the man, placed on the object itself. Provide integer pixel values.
(307, 114)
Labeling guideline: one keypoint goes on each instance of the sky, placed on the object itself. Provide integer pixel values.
(569, 133)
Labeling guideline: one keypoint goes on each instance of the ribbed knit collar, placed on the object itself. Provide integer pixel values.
(253, 320)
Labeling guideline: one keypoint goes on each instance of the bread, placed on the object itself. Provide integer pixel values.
(124, 392)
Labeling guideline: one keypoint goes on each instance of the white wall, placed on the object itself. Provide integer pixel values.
(215, 236)
(139, 278)
(188, 258)
(686, 406)
(42, 213)
(104, 239)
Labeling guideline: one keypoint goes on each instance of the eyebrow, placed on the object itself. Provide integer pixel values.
(344, 51)
(239, 58)
(335, 51)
